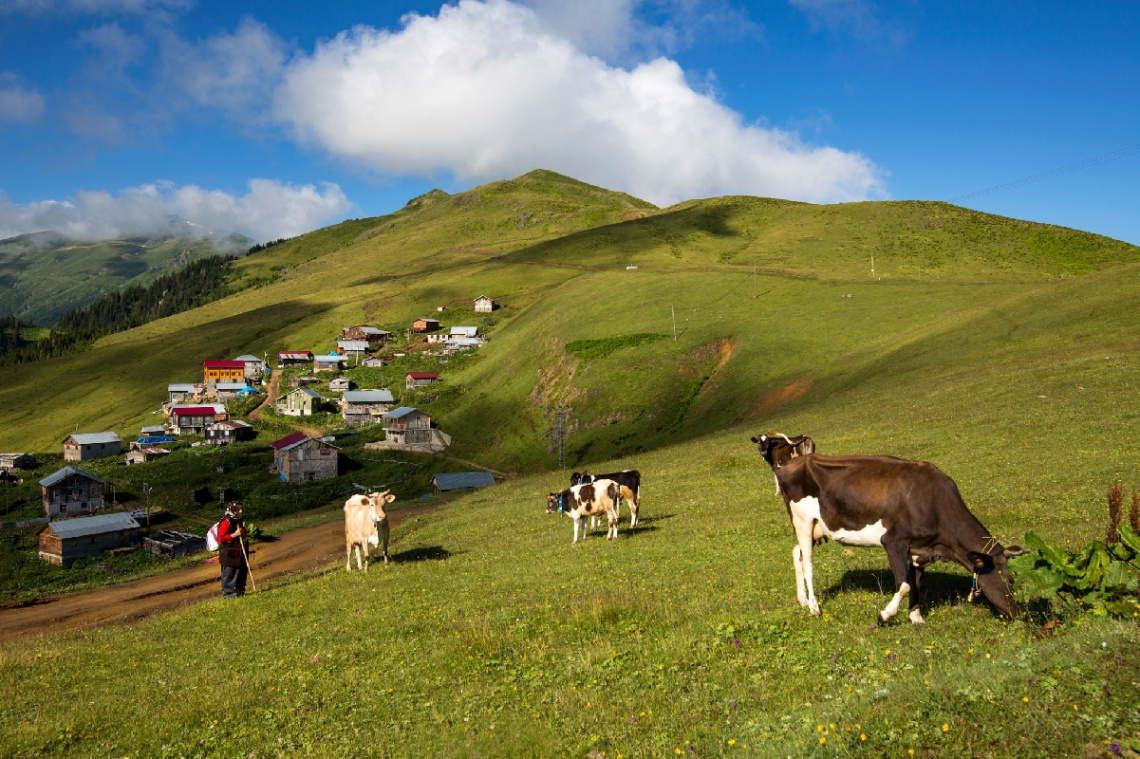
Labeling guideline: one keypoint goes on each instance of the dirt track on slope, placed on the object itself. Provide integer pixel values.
(298, 551)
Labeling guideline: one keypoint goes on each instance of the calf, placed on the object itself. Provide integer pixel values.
(628, 480)
(588, 499)
(365, 524)
(910, 508)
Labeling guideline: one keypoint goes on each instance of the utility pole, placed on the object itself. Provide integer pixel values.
(146, 494)
(674, 312)
(872, 266)
(558, 435)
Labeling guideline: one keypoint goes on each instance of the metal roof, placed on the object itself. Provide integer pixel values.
(153, 439)
(333, 359)
(230, 385)
(96, 525)
(289, 441)
(368, 396)
(423, 375)
(353, 345)
(311, 393)
(401, 412)
(247, 358)
(180, 387)
(219, 408)
(236, 424)
(194, 410)
(87, 438)
(295, 354)
(62, 474)
(224, 364)
(456, 480)
(157, 429)
(374, 331)
(465, 331)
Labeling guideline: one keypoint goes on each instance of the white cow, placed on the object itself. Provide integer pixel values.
(365, 524)
(590, 499)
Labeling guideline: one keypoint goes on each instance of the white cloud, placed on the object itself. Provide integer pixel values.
(485, 90)
(270, 209)
(19, 105)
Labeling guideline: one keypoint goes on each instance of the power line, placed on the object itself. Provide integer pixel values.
(1086, 163)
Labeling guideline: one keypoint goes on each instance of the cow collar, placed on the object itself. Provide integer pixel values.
(560, 509)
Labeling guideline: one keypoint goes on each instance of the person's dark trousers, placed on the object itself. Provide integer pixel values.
(233, 581)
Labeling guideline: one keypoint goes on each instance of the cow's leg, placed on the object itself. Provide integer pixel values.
(348, 558)
(897, 555)
(613, 533)
(804, 530)
(634, 507)
(798, 565)
(915, 581)
(576, 521)
(385, 532)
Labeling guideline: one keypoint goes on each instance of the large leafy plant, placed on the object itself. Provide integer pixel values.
(1103, 578)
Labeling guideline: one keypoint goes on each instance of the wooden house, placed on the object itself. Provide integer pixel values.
(420, 379)
(299, 402)
(286, 359)
(359, 407)
(140, 453)
(443, 482)
(300, 458)
(223, 371)
(371, 335)
(356, 348)
(425, 325)
(407, 425)
(229, 431)
(254, 366)
(372, 362)
(193, 420)
(184, 392)
(91, 445)
(70, 491)
(484, 305)
(302, 381)
(223, 391)
(10, 461)
(333, 363)
(340, 384)
(456, 332)
(65, 541)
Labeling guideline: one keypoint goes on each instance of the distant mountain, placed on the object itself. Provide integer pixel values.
(45, 274)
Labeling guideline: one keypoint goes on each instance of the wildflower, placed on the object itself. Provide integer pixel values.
(910, 751)
(631, 720)
(822, 741)
(862, 736)
(1025, 699)
(677, 751)
(733, 703)
(1115, 749)
(732, 741)
(945, 727)
(315, 659)
(735, 643)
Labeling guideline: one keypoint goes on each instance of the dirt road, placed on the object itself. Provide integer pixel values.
(298, 551)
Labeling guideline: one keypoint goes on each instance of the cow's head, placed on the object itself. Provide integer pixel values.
(556, 502)
(993, 577)
(578, 477)
(376, 503)
(778, 449)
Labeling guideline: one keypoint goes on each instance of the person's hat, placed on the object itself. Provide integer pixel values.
(233, 510)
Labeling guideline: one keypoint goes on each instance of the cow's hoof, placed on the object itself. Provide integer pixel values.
(815, 611)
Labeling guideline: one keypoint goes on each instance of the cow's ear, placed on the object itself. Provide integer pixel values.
(389, 498)
(754, 440)
(981, 562)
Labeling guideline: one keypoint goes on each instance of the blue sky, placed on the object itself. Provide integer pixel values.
(272, 118)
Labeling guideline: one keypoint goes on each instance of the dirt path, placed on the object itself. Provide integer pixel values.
(298, 551)
(272, 390)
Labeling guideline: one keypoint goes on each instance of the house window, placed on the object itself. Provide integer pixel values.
(325, 451)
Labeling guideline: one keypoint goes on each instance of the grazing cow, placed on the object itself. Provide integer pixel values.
(910, 508)
(365, 524)
(588, 499)
(629, 480)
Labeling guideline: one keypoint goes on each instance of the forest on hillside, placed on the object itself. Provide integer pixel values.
(195, 284)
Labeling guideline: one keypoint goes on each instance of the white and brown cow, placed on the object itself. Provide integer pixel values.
(910, 508)
(629, 480)
(588, 499)
(366, 524)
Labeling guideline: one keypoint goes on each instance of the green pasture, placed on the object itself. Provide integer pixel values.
(491, 634)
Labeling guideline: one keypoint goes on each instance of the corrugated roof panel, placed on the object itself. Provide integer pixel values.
(368, 396)
(96, 525)
(62, 474)
(87, 438)
(457, 480)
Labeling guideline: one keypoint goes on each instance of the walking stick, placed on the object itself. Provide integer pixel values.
(248, 570)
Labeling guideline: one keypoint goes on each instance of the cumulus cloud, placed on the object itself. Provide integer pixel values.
(18, 104)
(270, 209)
(486, 90)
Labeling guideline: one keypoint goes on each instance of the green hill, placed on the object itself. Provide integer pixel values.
(1008, 353)
(45, 274)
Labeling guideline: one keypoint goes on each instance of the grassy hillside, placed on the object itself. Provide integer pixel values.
(44, 275)
(1007, 353)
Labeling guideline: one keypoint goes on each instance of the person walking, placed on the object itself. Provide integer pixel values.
(231, 552)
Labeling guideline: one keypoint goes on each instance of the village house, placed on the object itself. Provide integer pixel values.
(254, 366)
(183, 392)
(340, 384)
(229, 431)
(10, 461)
(71, 491)
(140, 453)
(223, 371)
(300, 458)
(193, 420)
(407, 425)
(63, 542)
(420, 379)
(356, 348)
(333, 363)
(359, 407)
(286, 359)
(457, 332)
(300, 402)
(443, 482)
(154, 430)
(425, 325)
(436, 337)
(91, 445)
(223, 391)
(371, 335)
(484, 305)
(457, 344)
(372, 363)
(302, 381)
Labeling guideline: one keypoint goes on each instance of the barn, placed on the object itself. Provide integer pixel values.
(300, 458)
(445, 481)
(64, 541)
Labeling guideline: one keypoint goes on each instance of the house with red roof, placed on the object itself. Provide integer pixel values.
(300, 458)
(224, 371)
(420, 379)
(193, 420)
